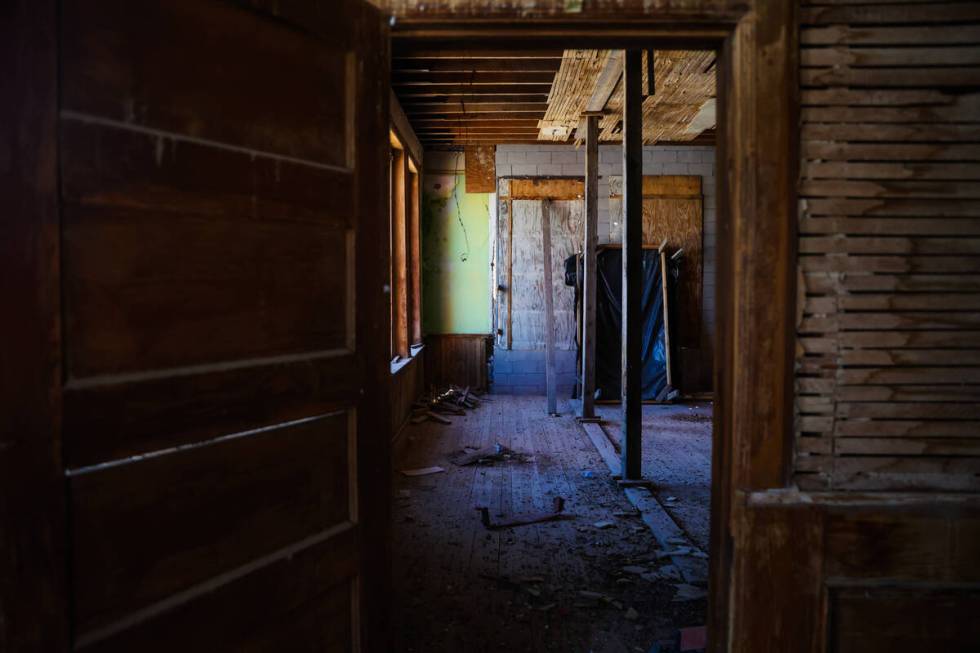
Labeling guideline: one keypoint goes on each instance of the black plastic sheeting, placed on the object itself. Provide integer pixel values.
(609, 321)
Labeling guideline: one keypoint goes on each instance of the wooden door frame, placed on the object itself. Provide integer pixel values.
(757, 163)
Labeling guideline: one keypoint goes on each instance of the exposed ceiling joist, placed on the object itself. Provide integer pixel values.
(468, 108)
(416, 78)
(537, 65)
(403, 50)
(492, 90)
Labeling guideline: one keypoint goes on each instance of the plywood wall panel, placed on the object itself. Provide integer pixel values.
(673, 210)
(528, 318)
(481, 169)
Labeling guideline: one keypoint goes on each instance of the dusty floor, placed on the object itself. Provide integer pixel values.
(567, 586)
(677, 459)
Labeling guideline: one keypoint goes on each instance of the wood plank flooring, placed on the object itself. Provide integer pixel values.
(676, 459)
(462, 588)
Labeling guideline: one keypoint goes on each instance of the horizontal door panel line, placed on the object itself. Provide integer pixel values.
(67, 114)
(103, 380)
(791, 497)
(896, 582)
(88, 469)
(210, 585)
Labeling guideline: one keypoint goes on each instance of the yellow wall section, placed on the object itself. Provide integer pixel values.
(455, 256)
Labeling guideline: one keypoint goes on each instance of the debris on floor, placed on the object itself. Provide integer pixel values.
(423, 471)
(561, 585)
(448, 401)
(489, 455)
(687, 592)
(558, 507)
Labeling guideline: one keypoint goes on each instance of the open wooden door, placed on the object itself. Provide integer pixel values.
(223, 331)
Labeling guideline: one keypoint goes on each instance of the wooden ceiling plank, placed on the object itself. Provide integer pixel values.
(685, 83)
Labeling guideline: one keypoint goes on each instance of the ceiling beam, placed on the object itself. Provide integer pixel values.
(476, 65)
(420, 125)
(412, 78)
(469, 99)
(481, 109)
(429, 90)
(485, 115)
(407, 50)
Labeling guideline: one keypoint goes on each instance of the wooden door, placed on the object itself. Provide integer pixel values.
(224, 418)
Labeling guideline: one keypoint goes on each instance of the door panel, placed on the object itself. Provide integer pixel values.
(219, 173)
(211, 508)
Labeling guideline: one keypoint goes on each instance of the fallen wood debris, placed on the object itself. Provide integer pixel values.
(447, 401)
(422, 471)
(489, 455)
(687, 592)
(523, 520)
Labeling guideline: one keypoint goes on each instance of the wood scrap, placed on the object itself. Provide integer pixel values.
(558, 508)
(446, 401)
(486, 455)
(423, 471)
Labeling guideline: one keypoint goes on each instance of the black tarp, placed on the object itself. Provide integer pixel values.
(609, 323)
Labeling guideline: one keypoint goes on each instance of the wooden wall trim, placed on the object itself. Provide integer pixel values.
(404, 129)
(33, 605)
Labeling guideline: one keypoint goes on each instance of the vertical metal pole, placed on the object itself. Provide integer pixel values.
(632, 264)
(589, 264)
(549, 308)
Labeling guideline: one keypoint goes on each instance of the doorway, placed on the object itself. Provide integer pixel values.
(596, 577)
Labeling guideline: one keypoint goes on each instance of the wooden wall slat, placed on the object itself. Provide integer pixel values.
(888, 355)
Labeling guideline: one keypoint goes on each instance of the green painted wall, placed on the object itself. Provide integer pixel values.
(455, 256)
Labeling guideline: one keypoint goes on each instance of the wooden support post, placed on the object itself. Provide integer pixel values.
(589, 264)
(549, 308)
(632, 264)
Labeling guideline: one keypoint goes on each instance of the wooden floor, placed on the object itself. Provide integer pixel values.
(676, 459)
(558, 586)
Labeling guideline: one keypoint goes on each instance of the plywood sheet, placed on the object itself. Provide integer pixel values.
(481, 168)
(673, 211)
(553, 189)
(527, 292)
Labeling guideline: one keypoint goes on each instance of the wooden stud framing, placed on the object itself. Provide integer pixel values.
(591, 241)
(632, 264)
